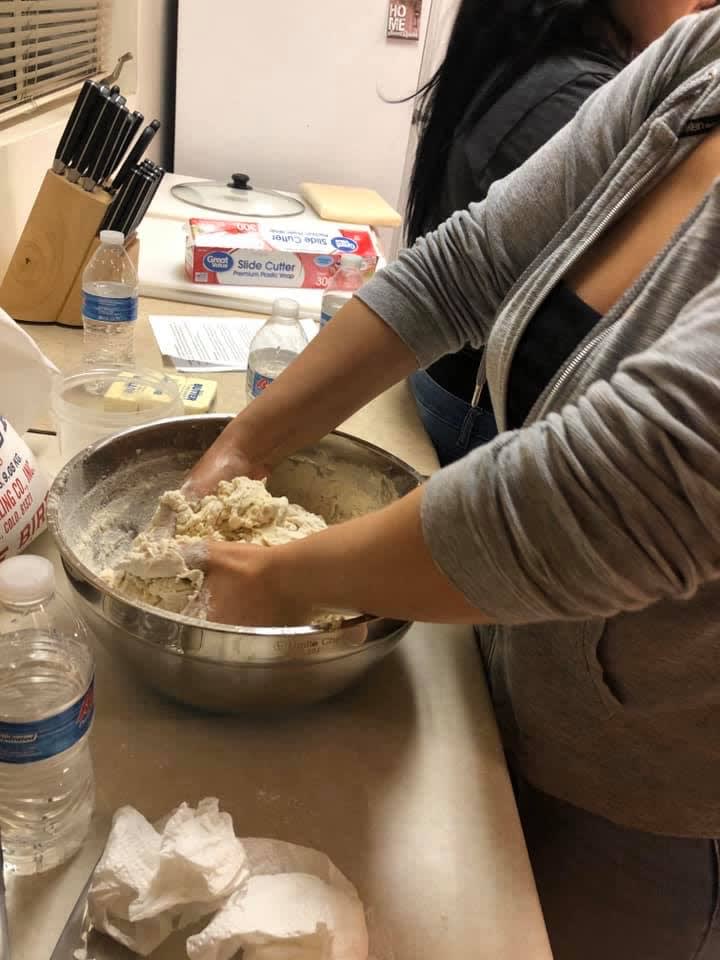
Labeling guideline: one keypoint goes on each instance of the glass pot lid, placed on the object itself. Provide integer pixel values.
(237, 197)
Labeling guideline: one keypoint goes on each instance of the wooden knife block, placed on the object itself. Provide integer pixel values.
(43, 283)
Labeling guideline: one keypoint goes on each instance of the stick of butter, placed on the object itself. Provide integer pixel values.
(123, 396)
(130, 395)
(197, 395)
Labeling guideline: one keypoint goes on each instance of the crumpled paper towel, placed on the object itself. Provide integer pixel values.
(293, 916)
(273, 900)
(151, 882)
(26, 376)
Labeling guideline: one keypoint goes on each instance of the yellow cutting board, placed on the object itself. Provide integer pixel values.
(350, 205)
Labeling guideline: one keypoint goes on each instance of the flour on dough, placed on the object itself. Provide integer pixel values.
(164, 570)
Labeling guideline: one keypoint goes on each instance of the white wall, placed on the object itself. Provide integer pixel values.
(27, 146)
(291, 91)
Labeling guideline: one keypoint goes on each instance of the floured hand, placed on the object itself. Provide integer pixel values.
(241, 588)
(220, 462)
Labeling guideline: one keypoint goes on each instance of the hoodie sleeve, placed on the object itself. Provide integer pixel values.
(610, 505)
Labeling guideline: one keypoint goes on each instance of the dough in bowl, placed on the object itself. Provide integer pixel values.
(163, 565)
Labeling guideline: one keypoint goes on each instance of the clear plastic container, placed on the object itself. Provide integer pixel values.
(88, 405)
(110, 303)
(47, 680)
(274, 347)
(342, 285)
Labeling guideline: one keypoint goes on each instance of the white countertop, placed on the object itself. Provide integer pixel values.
(400, 780)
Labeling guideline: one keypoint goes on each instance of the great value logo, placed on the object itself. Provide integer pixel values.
(344, 244)
(217, 261)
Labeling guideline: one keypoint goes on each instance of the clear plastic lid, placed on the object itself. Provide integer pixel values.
(26, 580)
(238, 197)
(92, 403)
(114, 237)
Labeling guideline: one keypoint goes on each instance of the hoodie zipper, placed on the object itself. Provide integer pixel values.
(561, 270)
(596, 232)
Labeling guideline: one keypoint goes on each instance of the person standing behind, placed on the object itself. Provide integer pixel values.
(513, 75)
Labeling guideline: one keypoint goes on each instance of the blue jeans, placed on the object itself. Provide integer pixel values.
(454, 426)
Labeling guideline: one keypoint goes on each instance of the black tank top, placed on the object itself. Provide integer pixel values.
(559, 325)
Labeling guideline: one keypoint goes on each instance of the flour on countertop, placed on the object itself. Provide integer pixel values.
(164, 570)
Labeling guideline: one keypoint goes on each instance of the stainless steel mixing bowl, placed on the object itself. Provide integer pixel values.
(216, 667)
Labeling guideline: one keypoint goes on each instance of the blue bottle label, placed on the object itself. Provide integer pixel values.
(258, 382)
(42, 739)
(109, 309)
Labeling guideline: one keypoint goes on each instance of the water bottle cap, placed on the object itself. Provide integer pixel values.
(285, 307)
(352, 260)
(26, 579)
(113, 237)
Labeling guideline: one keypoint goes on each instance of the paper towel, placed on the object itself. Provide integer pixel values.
(26, 376)
(293, 916)
(125, 873)
(201, 862)
(275, 900)
(150, 883)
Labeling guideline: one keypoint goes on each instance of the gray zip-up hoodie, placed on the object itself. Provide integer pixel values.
(592, 535)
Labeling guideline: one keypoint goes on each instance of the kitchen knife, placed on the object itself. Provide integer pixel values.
(71, 936)
(118, 212)
(132, 124)
(135, 155)
(142, 185)
(88, 117)
(100, 168)
(72, 135)
(159, 174)
(92, 140)
(146, 197)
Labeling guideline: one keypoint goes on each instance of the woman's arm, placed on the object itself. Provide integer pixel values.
(379, 562)
(355, 358)
(444, 293)
(609, 506)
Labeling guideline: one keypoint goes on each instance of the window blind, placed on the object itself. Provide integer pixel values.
(46, 45)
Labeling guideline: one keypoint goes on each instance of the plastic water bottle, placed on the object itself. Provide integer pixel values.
(110, 303)
(341, 286)
(274, 347)
(47, 791)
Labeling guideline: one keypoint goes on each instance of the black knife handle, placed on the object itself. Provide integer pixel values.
(143, 142)
(143, 185)
(159, 174)
(118, 213)
(75, 126)
(146, 199)
(98, 172)
(86, 122)
(133, 123)
(95, 136)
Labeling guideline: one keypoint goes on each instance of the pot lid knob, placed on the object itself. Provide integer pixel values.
(240, 181)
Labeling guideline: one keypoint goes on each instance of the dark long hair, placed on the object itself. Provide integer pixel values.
(493, 43)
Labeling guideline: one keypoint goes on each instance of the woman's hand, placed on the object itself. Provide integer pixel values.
(223, 461)
(376, 564)
(352, 360)
(242, 588)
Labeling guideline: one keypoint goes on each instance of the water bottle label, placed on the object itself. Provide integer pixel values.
(109, 309)
(42, 739)
(258, 382)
